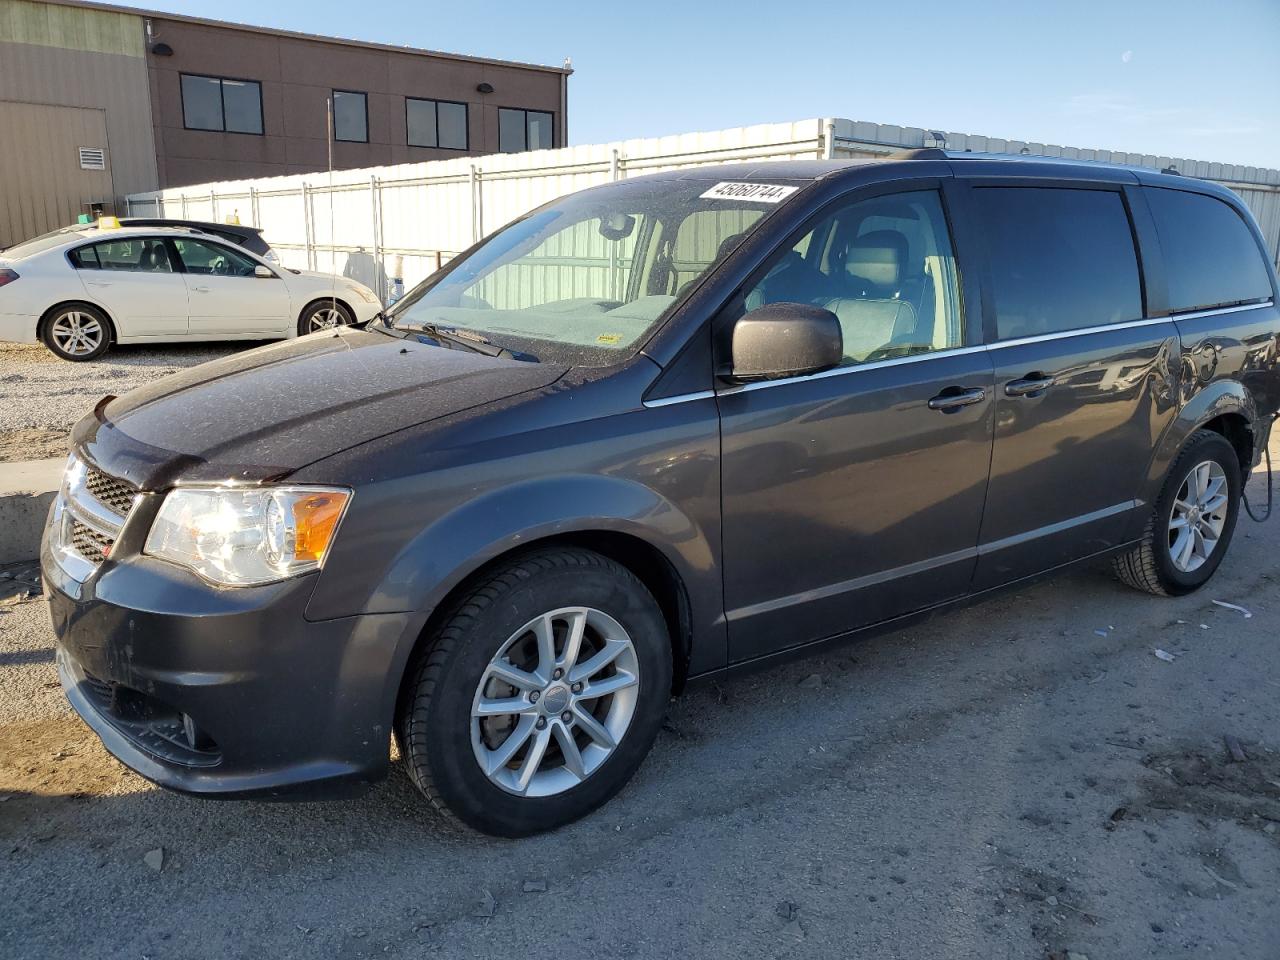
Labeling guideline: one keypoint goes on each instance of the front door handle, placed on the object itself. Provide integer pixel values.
(200, 289)
(98, 283)
(1031, 384)
(953, 398)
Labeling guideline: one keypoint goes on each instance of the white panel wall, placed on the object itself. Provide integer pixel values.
(408, 220)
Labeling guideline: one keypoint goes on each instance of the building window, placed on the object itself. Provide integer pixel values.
(215, 103)
(520, 130)
(436, 123)
(350, 116)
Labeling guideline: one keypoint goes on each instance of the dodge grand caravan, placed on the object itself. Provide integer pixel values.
(657, 429)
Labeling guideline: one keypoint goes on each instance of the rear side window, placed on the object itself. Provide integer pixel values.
(85, 258)
(135, 255)
(1211, 258)
(1060, 259)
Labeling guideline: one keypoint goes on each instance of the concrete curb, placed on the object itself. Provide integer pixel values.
(27, 487)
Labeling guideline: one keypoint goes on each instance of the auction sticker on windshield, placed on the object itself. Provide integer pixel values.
(762, 192)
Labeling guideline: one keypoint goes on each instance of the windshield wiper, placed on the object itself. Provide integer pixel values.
(471, 341)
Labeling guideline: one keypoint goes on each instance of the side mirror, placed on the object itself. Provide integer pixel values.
(785, 340)
(264, 272)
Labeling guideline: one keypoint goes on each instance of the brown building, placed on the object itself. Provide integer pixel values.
(98, 101)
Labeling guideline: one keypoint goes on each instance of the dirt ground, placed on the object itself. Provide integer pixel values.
(1021, 779)
(42, 397)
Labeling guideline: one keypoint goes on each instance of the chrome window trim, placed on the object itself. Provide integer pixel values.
(852, 368)
(955, 351)
(680, 398)
(1219, 311)
(1079, 332)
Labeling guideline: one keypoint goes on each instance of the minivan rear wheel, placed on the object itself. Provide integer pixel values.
(539, 695)
(1190, 527)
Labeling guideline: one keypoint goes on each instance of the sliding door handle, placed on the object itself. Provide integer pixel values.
(1031, 384)
(953, 398)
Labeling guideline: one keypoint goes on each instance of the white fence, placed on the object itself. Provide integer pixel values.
(411, 218)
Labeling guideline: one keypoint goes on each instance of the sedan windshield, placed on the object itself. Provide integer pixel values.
(585, 279)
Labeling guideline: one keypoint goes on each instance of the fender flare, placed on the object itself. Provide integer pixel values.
(462, 541)
(1215, 400)
(473, 534)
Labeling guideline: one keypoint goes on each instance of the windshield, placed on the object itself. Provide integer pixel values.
(584, 280)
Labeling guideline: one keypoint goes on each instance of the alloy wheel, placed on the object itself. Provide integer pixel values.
(77, 334)
(325, 318)
(554, 702)
(1198, 516)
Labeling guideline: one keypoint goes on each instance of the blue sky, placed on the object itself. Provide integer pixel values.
(1190, 79)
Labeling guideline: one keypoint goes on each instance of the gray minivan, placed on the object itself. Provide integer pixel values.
(649, 432)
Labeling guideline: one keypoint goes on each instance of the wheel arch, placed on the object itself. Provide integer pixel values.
(1226, 408)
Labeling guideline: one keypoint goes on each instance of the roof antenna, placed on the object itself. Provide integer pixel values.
(333, 251)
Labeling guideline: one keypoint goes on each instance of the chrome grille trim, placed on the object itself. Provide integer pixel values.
(88, 515)
(116, 495)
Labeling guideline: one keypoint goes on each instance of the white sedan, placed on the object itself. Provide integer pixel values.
(81, 290)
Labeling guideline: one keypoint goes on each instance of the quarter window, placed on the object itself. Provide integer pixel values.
(136, 254)
(436, 123)
(885, 267)
(520, 130)
(1060, 259)
(213, 259)
(1211, 258)
(350, 116)
(214, 103)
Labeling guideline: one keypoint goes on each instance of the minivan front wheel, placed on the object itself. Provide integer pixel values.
(1191, 525)
(539, 696)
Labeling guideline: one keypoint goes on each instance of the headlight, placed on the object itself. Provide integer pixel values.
(244, 536)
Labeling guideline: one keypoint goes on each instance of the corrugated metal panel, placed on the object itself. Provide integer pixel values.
(419, 215)
(38, 197)
(71, 28)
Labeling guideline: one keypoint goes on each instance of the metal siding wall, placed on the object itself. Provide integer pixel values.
(38, 197)
(423, 214)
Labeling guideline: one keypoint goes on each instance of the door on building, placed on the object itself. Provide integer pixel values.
(55, 164)
(224, 293)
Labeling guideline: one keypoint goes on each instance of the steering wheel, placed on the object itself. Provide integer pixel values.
(220, 266)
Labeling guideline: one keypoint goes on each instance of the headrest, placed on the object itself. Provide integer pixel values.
(877, 257)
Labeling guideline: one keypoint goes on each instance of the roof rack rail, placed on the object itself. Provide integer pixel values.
(919, 153)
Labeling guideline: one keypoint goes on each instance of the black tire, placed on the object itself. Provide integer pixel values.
(69, 327)
(434, 724)
(1149, 566)
(309, 321)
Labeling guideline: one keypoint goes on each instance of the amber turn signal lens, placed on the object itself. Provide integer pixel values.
(315, 518)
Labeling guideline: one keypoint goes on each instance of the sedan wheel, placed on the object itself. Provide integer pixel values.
(77, 333)
(324, 315)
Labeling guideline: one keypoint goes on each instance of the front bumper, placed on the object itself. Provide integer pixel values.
(225, 692)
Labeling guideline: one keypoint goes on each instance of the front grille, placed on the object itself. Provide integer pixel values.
(116, 495)
(89, 543)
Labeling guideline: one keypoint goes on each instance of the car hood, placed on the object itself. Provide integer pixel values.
(267, 412)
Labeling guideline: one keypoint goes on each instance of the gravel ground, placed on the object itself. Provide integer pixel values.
(41, 397)
(1016, 780)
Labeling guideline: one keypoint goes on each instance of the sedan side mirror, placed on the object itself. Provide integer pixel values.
(785, 340)
(263, 272)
